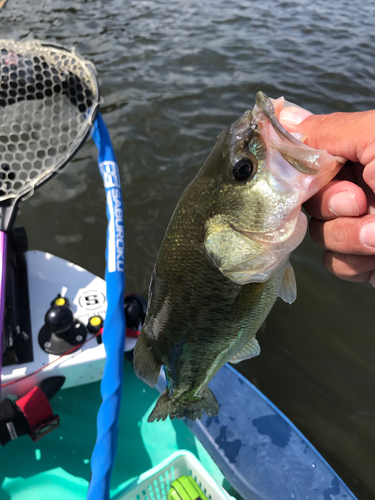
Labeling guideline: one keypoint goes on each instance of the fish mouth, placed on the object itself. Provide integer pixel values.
(262, 121)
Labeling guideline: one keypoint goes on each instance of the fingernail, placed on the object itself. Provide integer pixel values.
(344, 203)
(367, 235)
(293, 115)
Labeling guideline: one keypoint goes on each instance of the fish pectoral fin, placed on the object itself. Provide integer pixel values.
(146, 366)
(249, 350)
(230, 251)
(288, 287)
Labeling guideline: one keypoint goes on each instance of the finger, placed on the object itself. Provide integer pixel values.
(337, 199)
(369, 175)
(350, 267)
(349, 135)
(351, 171)
(348, 235)
(364, 177)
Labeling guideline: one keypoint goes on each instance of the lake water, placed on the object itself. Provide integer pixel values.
(173, 75)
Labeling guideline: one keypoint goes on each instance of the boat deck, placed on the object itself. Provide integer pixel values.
(58, 466)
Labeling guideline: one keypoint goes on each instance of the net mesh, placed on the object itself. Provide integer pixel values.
(48, 99)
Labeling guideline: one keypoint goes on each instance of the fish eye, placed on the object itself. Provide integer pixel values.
(243, 169)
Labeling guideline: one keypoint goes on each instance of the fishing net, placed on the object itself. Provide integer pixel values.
(48, 101)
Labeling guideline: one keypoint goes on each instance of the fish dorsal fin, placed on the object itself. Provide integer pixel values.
(249, 350)
(288, 287)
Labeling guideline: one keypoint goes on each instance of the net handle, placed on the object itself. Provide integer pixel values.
(3, 264)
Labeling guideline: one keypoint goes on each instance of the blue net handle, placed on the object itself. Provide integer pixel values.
(103, 456)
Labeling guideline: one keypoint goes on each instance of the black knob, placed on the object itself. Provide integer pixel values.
(135, 311)
(59, 319)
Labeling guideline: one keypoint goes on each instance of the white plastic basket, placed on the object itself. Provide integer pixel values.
(154, 484)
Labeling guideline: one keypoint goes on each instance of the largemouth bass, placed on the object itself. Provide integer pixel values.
(225, 257)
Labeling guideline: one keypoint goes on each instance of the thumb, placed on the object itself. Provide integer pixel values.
(349, 135)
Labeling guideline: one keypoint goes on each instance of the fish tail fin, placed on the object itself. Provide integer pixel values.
(184, 407)
(146, 366)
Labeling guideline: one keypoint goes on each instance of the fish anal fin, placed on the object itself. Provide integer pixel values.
(249, 350)
(288, 287)
(185, 407)
(146, 366)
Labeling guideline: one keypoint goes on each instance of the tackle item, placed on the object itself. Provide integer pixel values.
(32, 414)
(185, 488)
(156, 482)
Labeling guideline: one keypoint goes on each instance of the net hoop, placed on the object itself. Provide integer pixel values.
(49, 98)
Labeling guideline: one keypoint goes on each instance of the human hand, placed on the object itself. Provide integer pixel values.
(343, 212)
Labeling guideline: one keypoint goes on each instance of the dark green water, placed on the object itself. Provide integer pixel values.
(173, 75)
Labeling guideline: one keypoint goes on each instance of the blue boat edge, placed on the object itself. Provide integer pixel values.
(262, 454)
